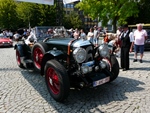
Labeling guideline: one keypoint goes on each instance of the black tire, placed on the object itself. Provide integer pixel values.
(60, 90)
(42, 48)
(18, 59)
(115, 68)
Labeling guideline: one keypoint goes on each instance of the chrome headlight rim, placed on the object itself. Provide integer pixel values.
(104, 51)
(110, 47)
(79, 55)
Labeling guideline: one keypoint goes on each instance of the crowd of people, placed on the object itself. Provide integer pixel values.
(93, 34)
(7, 34)
(123, 40)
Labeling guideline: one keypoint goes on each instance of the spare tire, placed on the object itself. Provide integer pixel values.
(37, 53)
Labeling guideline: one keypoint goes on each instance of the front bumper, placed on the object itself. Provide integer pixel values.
(6, 44)
(98, 78)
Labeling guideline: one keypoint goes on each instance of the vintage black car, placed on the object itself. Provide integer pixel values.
(68, 62)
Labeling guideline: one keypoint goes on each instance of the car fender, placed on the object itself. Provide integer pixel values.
(19, 47)
(52, 54)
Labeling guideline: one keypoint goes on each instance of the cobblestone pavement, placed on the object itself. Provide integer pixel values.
(24, 91)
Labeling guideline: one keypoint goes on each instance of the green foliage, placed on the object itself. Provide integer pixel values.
(72, 20)
(36, 14)
(105, 10)
(143, 15)
(25, 12)
(8, 18)
(47, 15)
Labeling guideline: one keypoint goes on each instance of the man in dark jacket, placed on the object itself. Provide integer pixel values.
(126, 40)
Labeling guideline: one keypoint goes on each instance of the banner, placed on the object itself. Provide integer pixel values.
(69, 1)
(48, 2)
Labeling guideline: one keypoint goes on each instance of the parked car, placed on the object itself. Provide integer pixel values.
(5, 42)
(68, 62)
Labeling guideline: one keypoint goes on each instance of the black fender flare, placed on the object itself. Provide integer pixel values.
(19, 47)
(52, 54)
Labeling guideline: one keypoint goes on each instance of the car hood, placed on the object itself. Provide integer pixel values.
(66, 41)
(4, 40)
(59, 41)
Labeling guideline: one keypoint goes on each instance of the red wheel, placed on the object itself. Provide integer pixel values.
(37, 57)
(53, 80)
(38, 51)
(18, 59)
(57, 80)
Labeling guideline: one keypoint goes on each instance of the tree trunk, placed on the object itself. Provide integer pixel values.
(114, 25)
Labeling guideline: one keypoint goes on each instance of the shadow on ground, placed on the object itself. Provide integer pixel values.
(88, 98)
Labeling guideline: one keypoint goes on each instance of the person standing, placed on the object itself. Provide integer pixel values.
(140, 36)
(96, 36)
(126, 41)
(90, 35)
(76, 34)
(82, 34)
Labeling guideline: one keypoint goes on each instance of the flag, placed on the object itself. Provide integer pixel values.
(48, 2)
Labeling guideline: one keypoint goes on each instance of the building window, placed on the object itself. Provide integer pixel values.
(69, 5)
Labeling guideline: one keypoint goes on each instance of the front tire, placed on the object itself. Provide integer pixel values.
(57, 80)
(115, 68)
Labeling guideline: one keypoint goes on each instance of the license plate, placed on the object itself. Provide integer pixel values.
(6, 44)
(100, 82)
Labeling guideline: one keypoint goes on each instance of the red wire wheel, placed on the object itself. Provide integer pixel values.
(53, 81)
(18, 59)
(37, 57)
(57, 80)
(38, 51)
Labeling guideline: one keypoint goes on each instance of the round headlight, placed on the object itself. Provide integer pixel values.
(79, 55)
(110, 46)
(104, 50)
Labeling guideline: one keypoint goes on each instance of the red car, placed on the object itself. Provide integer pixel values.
(5, 42)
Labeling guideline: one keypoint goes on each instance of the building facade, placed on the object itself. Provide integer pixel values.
(86, 20)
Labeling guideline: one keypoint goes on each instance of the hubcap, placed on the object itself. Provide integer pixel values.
(37, 57)
(53, 81)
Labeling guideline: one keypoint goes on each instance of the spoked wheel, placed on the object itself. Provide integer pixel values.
(38, 51)
(57, 80)
(18, 59)
(37, 57)
(53, 81)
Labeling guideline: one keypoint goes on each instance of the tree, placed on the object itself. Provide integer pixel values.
(143, 15)
(8, 18)
(27, 12)
(72, 20)
(105, 10)
(36, 14)
(47, 15)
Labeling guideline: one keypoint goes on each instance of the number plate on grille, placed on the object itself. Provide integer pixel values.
(100, 82)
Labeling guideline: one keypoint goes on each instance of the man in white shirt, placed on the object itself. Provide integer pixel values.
(140, 36)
